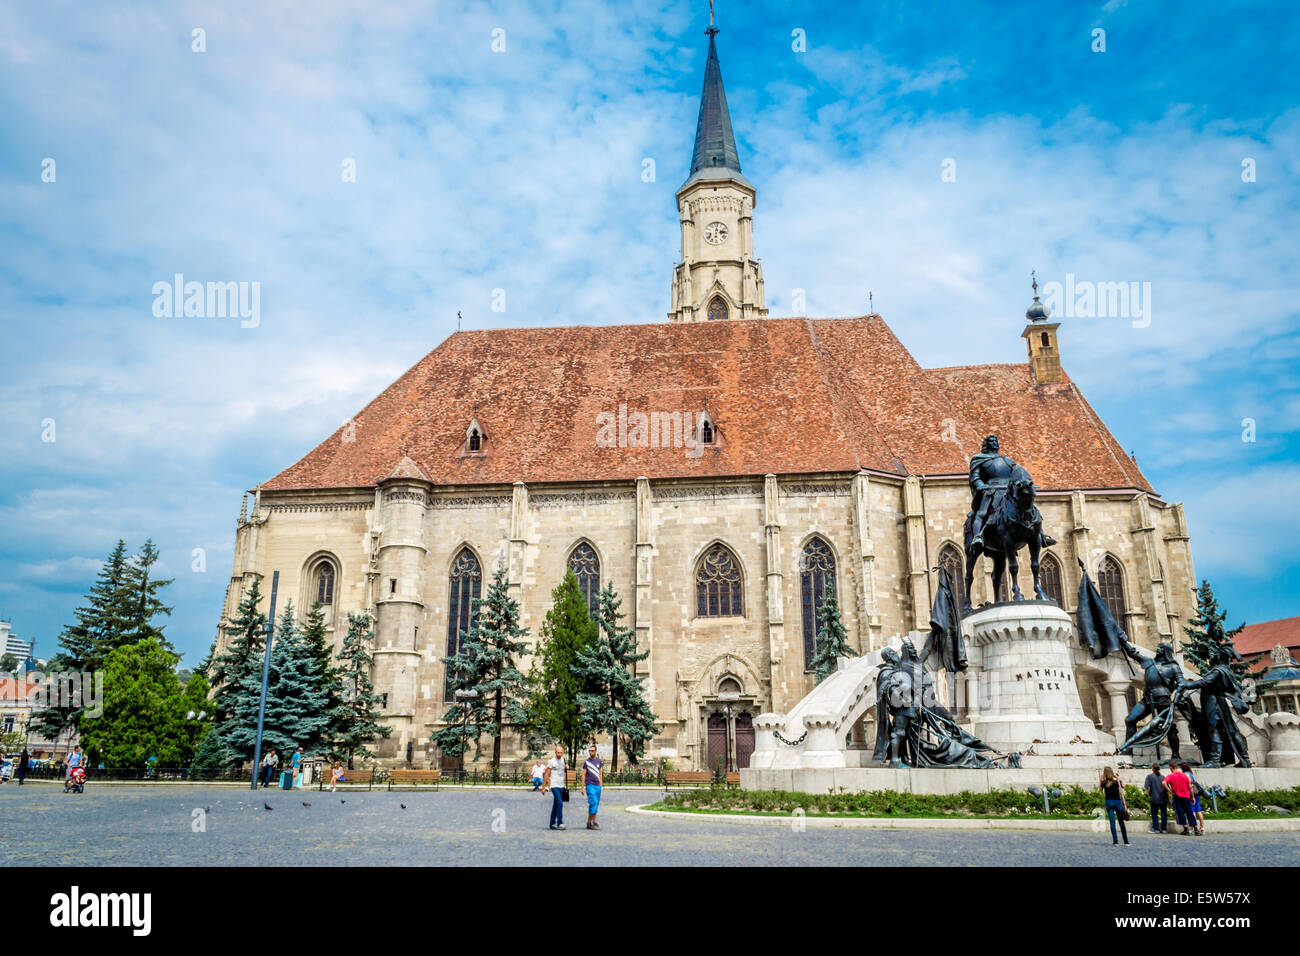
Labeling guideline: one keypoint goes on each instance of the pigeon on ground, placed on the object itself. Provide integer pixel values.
(267, 806)
(306, 804)
(341, 800)
(403, 806)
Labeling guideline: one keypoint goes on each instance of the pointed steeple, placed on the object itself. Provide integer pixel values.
(715, 155)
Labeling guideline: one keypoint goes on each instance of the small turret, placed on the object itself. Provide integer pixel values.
(1040, 339)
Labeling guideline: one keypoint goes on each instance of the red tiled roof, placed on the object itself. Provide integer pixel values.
(14, 691)
(1050, 429)
(788, 396)
(1263, 637)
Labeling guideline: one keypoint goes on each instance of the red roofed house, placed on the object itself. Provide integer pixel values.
(722, 469)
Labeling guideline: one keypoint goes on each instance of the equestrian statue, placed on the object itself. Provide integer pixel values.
(1003, 519)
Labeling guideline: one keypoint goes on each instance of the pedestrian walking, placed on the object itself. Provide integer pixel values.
(297, 768)
(593, 769)
(1198, 816)
(553, 779)
(1116, 803)
(1159, 798)
(538, 769)
(22, 765)
(74, 760)
(1180, 788)
(269, 763)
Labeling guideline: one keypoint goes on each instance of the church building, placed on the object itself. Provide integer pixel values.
(723, 469)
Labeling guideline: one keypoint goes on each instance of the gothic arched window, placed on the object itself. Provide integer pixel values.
(717, 308)
(475, 440)
(1049, 575)
(718, 584)
(1110, 584)
(323, 582)
(707, 433)
(816, 575)
(466, 581)
(585, 565)
(950, 558)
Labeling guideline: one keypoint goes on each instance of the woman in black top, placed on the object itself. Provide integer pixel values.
(1116, 804)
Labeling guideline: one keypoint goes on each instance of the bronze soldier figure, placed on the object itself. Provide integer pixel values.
(1162, 676)
(1220, 740)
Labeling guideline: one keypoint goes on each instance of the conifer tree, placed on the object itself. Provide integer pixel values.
(142, 601)
(360, 722)
(1206, 633)
(100, 625)
(296, 702)
(613, 700)
(144, 710)
(212, 753)
(568, 629)
(486, 662)
(246, 640)
(315, 637)
(833, 642)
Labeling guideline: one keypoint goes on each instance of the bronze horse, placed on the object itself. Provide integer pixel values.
(1013, 523)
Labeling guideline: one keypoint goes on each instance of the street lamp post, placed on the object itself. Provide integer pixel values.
(464, 697)
(728, 699)
(266, 669)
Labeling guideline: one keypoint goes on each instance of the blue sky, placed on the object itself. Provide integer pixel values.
(522, 170)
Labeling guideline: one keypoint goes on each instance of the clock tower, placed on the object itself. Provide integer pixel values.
(718, 276)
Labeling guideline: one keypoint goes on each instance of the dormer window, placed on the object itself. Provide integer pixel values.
(706, 433)
(475, 438)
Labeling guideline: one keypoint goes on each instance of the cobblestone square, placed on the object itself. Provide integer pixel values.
(154, 826)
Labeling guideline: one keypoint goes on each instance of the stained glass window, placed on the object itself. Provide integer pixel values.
(816, 573)
(718, 585)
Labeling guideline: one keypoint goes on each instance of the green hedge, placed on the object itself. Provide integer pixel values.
(1074, 801)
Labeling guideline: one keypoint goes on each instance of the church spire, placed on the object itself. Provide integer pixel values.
(715, 155)
(718, 277)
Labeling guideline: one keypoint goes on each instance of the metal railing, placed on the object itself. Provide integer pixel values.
(144, 774)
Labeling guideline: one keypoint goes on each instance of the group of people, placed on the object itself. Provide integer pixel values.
(1179, 787)
(552, 776)
(272, 760)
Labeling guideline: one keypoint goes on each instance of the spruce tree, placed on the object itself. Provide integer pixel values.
(568, 629)
(613, 700)
(360, 722)
(316, 638)
(212, 753)
(245, 642)
(1206, 633)
(101, 624)
(142, 601)
(833, 638)
(296, 702)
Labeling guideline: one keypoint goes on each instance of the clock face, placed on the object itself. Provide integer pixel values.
(715, 233)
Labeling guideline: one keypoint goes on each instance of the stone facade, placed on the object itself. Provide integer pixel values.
(393, 549)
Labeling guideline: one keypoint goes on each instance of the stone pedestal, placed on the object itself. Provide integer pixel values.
(1284, 739)
(1027, 695)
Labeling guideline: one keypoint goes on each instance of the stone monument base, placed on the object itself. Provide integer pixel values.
(868, 779)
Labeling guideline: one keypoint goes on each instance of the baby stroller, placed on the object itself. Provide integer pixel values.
(75, 781)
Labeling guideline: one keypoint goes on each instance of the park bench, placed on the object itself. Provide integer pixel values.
(352, 778)
(697, 778)
(413, 778)
(687, 778)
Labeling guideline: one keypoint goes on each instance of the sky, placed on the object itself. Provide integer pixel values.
(928, 155)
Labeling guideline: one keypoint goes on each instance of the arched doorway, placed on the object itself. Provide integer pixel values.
(729, 728)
